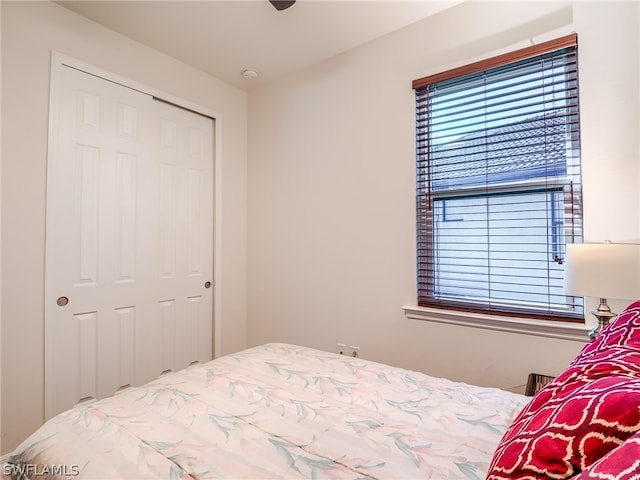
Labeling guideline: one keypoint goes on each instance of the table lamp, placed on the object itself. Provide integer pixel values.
(602, 270)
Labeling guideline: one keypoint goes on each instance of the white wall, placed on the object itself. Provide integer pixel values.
(331, 245)
(30, 31)
(0, 263)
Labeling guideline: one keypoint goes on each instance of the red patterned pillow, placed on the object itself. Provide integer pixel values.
(587, 411)
(622, 463)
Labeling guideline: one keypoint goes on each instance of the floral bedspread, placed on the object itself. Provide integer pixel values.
(280, 412)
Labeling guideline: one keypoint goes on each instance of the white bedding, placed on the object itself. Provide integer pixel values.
(278, 411)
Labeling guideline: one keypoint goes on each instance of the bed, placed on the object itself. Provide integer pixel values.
(282, 411)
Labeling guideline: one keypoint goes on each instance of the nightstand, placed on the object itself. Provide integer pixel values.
(535, 382)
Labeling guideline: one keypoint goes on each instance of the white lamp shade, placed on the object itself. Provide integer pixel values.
(603, 270)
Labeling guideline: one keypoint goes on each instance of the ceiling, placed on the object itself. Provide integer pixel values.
(225, 37)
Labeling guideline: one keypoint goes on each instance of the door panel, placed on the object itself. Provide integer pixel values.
(121, 213)
(184, 143)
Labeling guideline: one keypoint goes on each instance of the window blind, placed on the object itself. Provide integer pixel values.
(499, 183)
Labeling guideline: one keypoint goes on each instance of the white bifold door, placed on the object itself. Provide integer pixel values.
(129, 240)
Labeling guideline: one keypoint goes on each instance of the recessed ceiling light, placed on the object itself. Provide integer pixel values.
(250, 74)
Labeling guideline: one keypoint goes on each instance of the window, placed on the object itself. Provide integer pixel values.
(499, 183)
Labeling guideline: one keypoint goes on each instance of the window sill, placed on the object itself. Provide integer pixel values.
(562, 330)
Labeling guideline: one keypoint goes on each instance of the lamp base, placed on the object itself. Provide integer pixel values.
(604, 316)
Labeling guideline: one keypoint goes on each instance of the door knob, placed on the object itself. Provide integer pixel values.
(62, 301)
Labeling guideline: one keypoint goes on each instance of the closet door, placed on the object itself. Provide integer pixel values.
(111, 319)
(183, 149)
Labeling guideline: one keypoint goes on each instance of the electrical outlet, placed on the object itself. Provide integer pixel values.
(354, 351)
(341, 348)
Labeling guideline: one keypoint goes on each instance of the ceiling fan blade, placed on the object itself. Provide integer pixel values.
(282, 4)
